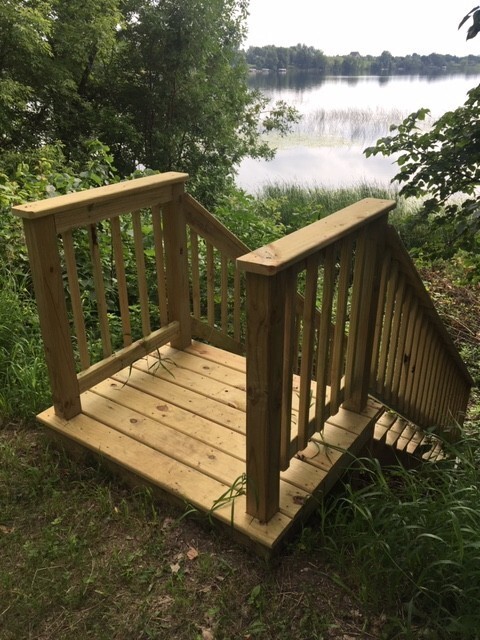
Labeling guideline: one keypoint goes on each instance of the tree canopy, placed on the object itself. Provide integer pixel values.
(163, 84)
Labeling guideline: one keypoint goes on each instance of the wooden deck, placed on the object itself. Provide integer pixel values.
(176, 421)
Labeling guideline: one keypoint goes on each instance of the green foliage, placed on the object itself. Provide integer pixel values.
(410, 539)
(161, 83)
(24, 387)
(40, 174)
(440, 164)
(299, 206)
(475, 27)
(255, 222)
(303, 58)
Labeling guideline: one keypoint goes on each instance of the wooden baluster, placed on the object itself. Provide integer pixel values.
(324, 336)
(196, 297)
(402, 341)
(99, 285)
(210, 285)
(121, 280)
(265, 336)
(414, 362)
(406, 374)
(288, 367)
(176, 261)
(141, 272)
(366, 282)
(308, 346)
(387, 327)
(76, 299)
(237, 304)
(449, 395)
(339, 341)
(394, 337)
(442, 374)
(41, 239)
(224, 293)
(379, 320)
(422, 374)
(296, 342)
(160, 264)
(432, 380)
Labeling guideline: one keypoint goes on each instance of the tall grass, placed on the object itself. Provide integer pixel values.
(24, 387)
(353, 124)
(299, 205)
(411, 542)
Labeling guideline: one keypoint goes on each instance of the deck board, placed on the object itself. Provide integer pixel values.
(178, 424)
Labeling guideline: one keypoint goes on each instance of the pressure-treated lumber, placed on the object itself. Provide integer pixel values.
(297, 246)
(166, 423)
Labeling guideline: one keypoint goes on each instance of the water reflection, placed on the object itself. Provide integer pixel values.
(316, 166)
(341, 116)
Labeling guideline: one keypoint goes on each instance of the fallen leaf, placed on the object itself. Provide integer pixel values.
(4, 529)
(175, 568)
(207, 635)
(164, 601)
(192, 553)
(167, 523)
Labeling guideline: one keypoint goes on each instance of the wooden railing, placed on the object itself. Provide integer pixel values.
(217, 286)
(377, 333)
(334, 312)
(415, 369)
(123, 269)
(90, 237)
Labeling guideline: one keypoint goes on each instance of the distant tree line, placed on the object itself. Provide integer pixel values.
(306, 58)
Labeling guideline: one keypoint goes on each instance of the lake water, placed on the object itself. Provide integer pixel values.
(340, 117)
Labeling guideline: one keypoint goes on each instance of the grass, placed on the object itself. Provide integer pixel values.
(82, 556)
(339, 127)
(411, 541)
(299, 205)
(353, 125)
(24, 387)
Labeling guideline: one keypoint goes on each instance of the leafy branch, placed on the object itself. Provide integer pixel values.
(475, 27)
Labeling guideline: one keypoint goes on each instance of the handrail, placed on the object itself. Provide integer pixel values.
(339, 302)
(416, 368)
(218, 294)
(295, 247)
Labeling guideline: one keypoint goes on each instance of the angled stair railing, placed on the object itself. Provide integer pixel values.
(416, 369)
(378, 333)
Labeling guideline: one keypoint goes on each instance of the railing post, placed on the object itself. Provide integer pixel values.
(41, 239)
(365, 296)
(265, 336)
(175, 238)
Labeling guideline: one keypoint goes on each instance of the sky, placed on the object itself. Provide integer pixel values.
(367, 26)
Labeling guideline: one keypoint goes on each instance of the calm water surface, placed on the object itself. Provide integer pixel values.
(341, 116)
